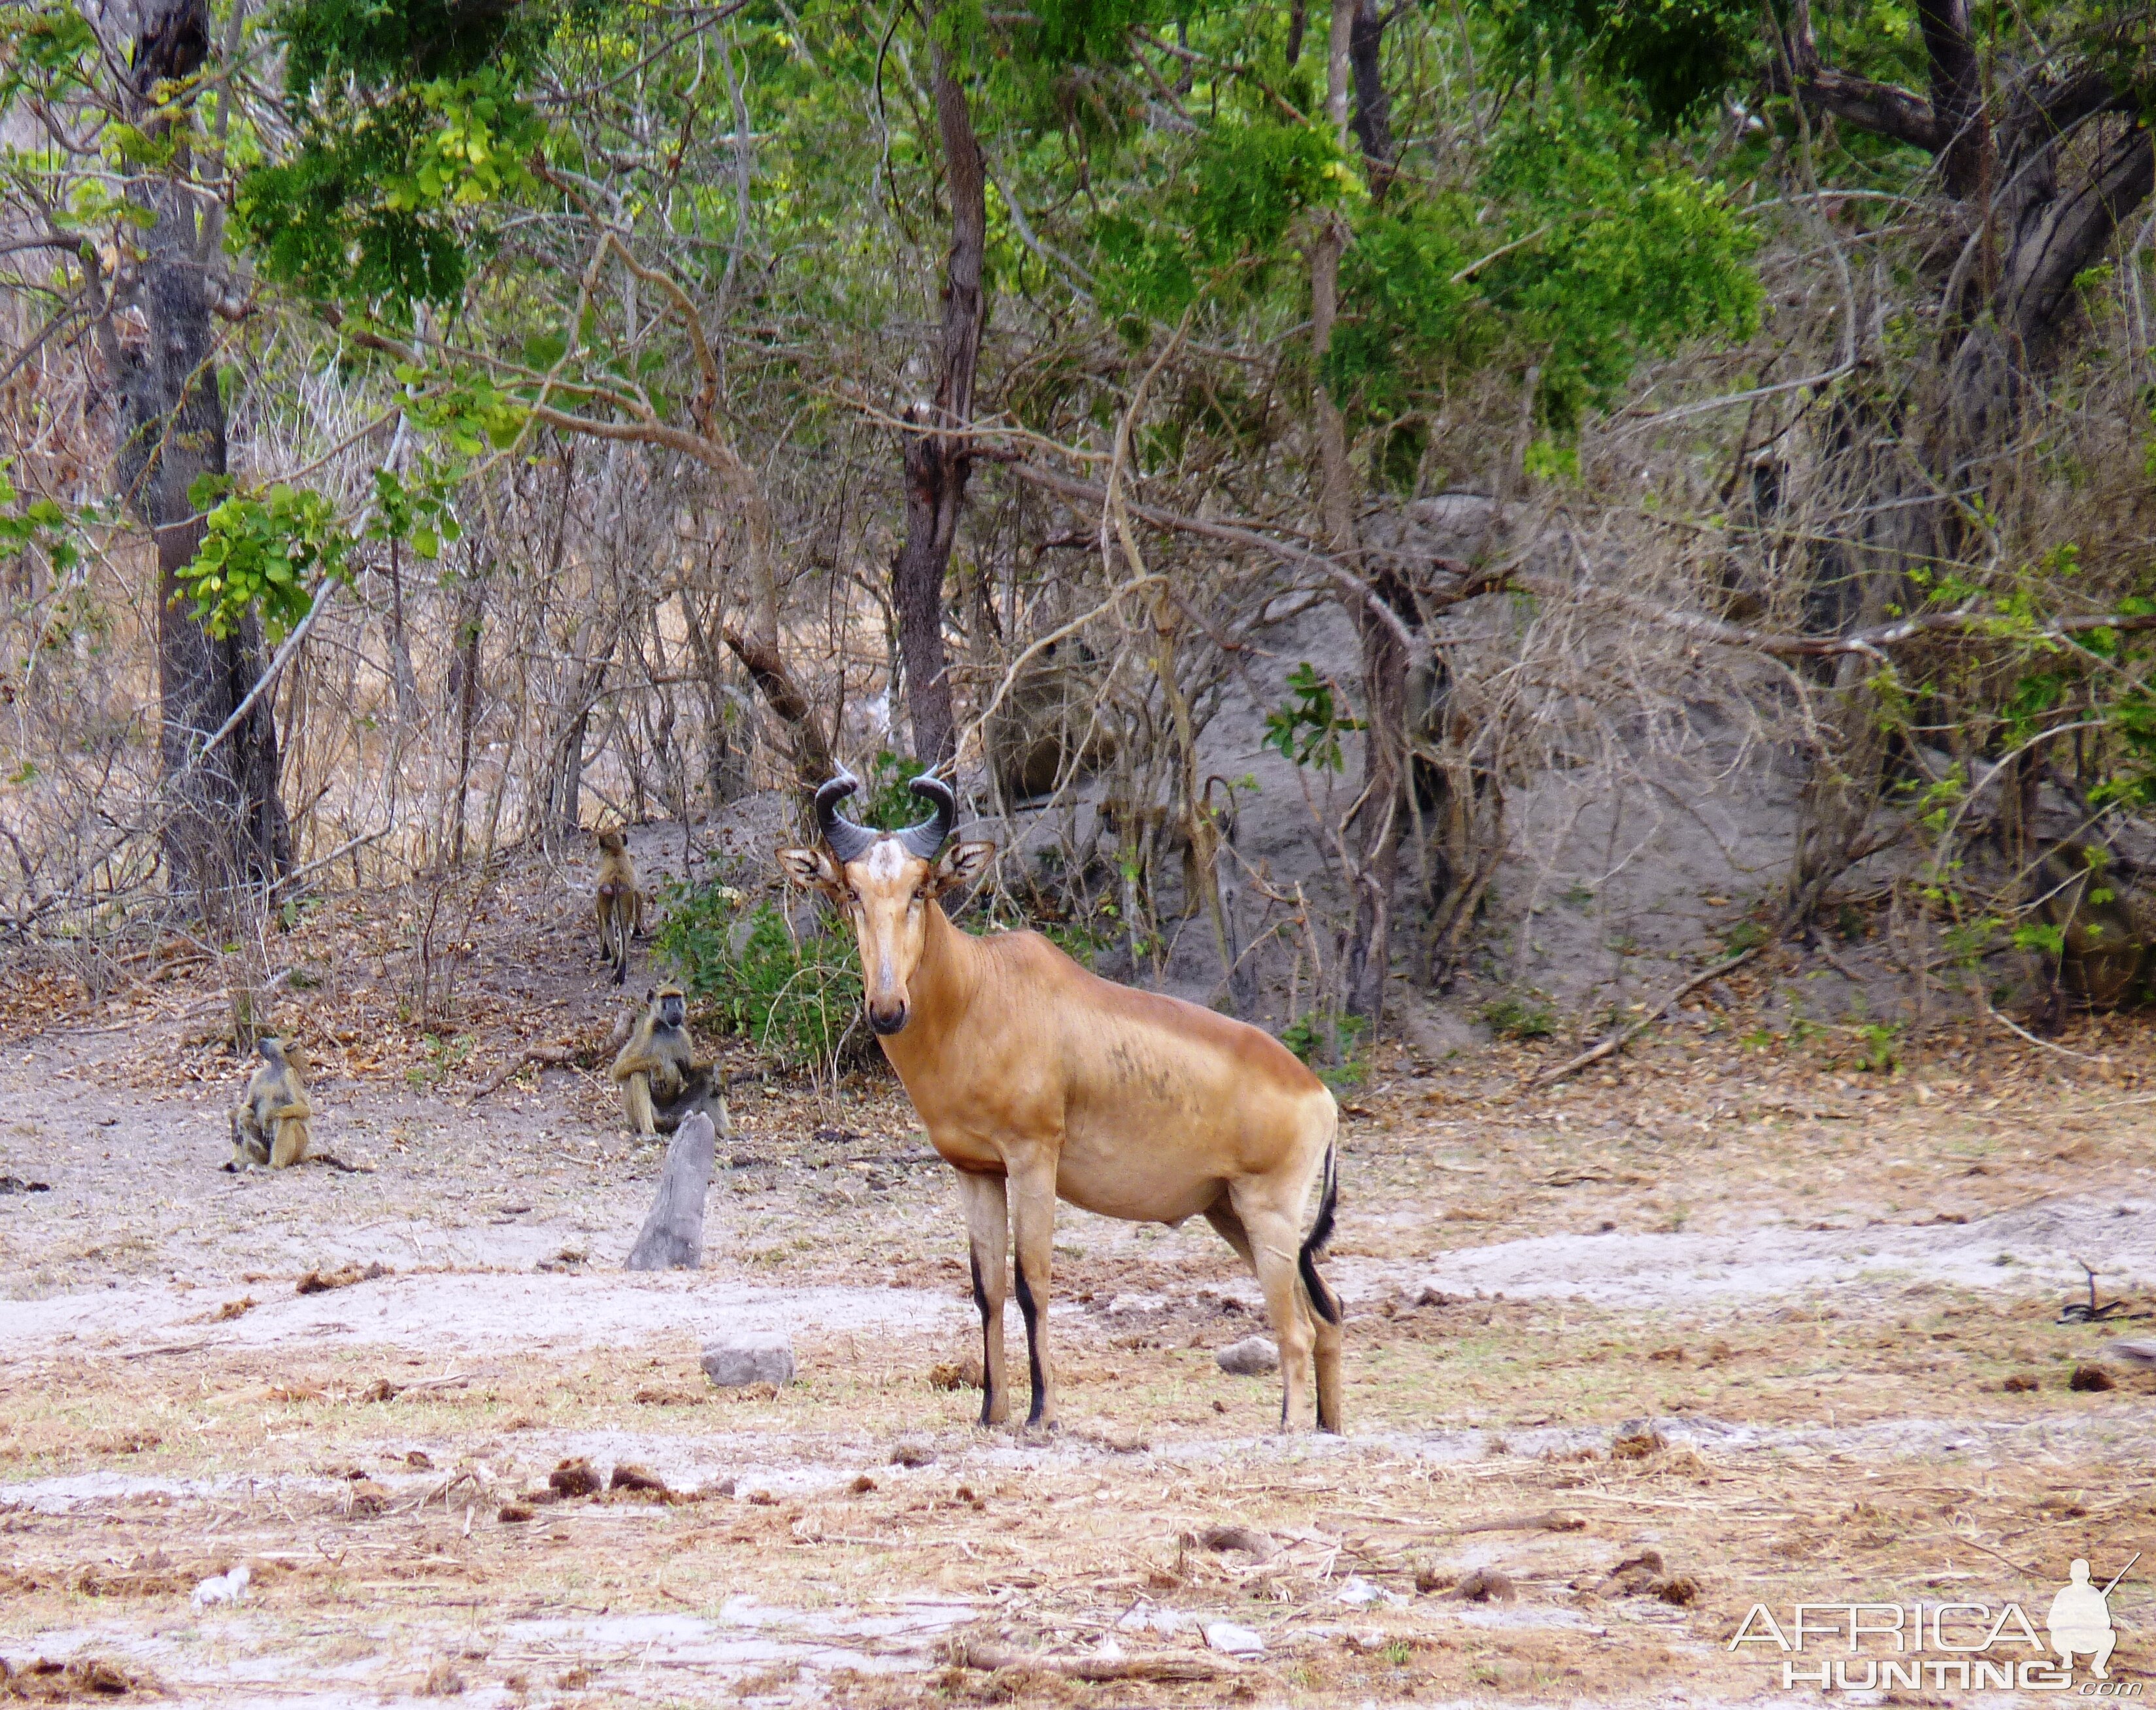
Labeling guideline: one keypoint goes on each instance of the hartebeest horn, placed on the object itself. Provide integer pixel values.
(848, 841)
(926, 840)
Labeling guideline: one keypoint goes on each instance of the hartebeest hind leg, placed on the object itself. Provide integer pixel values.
(1275, 1243)
(987, 1233)
(1324, 1331)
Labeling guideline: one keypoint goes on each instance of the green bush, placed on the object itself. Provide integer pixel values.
(1519, 1015)
(750, 977)
(1327, 1043)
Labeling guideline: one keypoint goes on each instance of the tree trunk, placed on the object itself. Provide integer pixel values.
(1374, 862)
(725, 778)
(224, 827)
(1373, 109)
(406, 679)
(2004, 310)
(673, 1234)
(464, 696)
(938, 460)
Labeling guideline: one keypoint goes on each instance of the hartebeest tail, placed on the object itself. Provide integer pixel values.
(1321, 1302)
(1037, 1080)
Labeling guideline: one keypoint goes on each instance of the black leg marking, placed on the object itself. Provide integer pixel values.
(981, 1301)
(1025, 1305)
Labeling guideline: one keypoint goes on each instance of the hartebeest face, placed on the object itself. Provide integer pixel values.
(886, 883)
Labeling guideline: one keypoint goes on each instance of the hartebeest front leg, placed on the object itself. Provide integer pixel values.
(1033, 1210)
(988, 1234)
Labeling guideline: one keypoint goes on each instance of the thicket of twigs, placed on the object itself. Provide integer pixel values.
(677, 402)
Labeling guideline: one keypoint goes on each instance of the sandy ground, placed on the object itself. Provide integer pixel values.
(1730, 1324)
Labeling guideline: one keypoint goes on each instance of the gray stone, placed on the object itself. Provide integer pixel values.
(2134, 1352)
(673, 1237)
(1252, 1357)
(731, 1361)
(1232, 1640)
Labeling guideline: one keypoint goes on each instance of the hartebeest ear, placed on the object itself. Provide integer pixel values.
(961, 863)
(812, 867)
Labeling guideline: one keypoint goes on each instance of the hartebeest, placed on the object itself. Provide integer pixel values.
(1037, 1080)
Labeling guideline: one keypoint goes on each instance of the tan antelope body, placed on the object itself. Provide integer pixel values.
(1038, 1081)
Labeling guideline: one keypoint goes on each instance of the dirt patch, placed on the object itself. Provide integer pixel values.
(1716, 1327)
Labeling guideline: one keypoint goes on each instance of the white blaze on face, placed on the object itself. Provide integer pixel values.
(886, 861)
(886, 872)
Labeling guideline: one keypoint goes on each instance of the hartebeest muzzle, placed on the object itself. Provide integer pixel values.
(887, 1016)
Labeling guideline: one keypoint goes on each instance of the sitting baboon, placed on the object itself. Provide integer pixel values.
(661, 1082)
(269, 1123)
(2106, 926)
(619, 904)
(1047, 726)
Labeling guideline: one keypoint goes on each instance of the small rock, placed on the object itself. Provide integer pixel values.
(2091, 1378)
(1633, 1577)
(366, 1497)
(2141, 1354)
(909, 1453)
(1232, 1640)
(955, 1374)
(1358, 1593)
(734, 1361)
(574, 1477)
(225, 1588)
(629, 1477)
(1244, 1538)
(1485, 1585)
(1252, 1357)
(1136, 1303)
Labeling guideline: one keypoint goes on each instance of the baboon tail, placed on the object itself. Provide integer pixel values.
(1322, 1299)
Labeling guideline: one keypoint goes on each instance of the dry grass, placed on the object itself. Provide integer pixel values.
(1892, 1430)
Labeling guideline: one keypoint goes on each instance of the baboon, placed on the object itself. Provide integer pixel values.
(2105, 924)
(620, 904)
(269, 1123)
(1046, 728)
(661, 1082)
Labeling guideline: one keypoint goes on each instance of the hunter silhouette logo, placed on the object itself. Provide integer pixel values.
(1863, 1647)
(2080, 1620)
